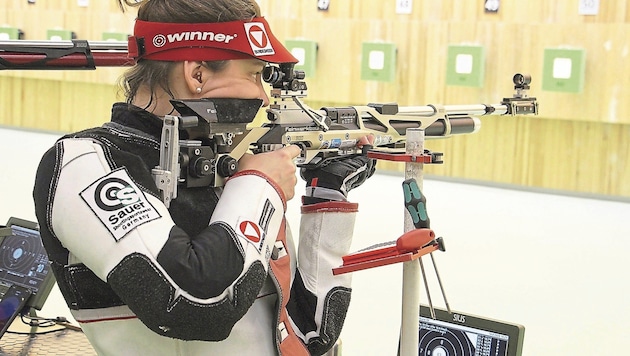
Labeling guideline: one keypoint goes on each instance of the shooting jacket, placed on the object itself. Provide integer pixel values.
(214, 274)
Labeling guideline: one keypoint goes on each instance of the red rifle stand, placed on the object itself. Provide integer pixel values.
(411, 245)
(428, 157)
(408, 247)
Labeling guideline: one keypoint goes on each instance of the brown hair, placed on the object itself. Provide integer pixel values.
(154, 74)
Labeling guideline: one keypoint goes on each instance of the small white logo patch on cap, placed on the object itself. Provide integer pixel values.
(258, 39)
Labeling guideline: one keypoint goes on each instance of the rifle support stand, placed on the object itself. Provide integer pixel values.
(412, 269)
(409, 248)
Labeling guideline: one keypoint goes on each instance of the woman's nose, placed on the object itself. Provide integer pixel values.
(264, 96)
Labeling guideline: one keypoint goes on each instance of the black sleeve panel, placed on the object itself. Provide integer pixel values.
(302, 305)
(45, 182)
(152, 298)
(82, 289)
(335, 309)
(302, 309)
(204, 265)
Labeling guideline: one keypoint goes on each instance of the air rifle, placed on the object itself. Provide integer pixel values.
(323, 135)
(219, 127)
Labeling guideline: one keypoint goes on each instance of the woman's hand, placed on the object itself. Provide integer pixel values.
(278, 165)
(332, 180)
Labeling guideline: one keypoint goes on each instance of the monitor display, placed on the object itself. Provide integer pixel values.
(24, 262)
(459, 334)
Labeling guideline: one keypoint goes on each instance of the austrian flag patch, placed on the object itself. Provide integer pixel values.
(252, 233)
(258, 39)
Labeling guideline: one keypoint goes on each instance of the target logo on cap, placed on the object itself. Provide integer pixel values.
(258, 39)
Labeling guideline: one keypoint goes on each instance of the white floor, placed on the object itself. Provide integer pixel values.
(556, 264)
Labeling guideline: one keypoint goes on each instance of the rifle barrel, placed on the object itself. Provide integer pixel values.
(20, 54)
(468, 110)
(94, 45)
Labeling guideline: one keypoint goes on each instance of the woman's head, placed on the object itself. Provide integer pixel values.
(156, 75)
(194, 11)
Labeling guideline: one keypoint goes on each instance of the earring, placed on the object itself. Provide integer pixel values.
(198, 77)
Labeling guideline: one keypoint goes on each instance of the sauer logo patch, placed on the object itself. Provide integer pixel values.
(119, 203)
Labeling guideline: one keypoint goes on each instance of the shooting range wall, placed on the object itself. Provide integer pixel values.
(579, 142)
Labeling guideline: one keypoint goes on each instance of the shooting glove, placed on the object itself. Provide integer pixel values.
(335, 178)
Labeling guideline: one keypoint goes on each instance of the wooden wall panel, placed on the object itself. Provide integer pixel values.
(10, 101)
(510, 48)
(39, 104)
(557, 154)
(54, 105)
(522, 12)
(578, 143)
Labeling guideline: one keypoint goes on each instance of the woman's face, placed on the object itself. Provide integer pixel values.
(240, 79)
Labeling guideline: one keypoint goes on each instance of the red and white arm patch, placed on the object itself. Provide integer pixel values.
(254, 208)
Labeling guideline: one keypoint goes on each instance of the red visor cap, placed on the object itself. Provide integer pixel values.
(167, 41)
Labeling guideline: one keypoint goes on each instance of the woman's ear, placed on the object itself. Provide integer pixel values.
(194, 73)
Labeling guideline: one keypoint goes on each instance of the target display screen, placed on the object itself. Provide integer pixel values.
(23, 259)
(442, 339)
(458, 334)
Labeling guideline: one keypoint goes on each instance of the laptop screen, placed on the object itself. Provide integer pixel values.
(459, 334)
(24, 261)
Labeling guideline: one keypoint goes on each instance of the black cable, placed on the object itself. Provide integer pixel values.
(41, 322)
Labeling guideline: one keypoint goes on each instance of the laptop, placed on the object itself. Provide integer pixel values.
(24, 262)
(459, 334)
